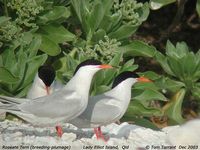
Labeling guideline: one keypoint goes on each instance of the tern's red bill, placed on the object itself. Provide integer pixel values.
(105, 66)
(143, 79)
(48, 90)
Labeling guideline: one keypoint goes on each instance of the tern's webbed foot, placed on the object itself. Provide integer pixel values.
(100, 135)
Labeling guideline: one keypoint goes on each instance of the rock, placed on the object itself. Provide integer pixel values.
(69, 137)
(135, 137)
(186, 134)
(2, 115)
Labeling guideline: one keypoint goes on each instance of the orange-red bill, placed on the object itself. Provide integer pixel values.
(48, 90)
(105, 66)
(143, 79)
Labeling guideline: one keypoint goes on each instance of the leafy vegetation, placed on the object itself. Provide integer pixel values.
(66, 32)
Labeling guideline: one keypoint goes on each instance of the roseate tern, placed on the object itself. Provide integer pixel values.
(42, 84)
(61, 106)
(110, 106)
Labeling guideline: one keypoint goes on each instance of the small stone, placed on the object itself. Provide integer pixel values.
(17, 134)
(68, 136)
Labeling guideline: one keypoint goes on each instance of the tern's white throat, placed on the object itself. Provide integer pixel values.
(82, 79)
(123, 90)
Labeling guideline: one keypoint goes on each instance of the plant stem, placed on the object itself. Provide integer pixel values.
(179, 14)
(5, 8)
(176, 20)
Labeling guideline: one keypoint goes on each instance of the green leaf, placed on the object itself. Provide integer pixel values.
(98, 35)
(128, 66)
(32, 66)
(157, 4)
(177, 52)
(198, 7)
(57, 13)
(4, 19)
(189, 65)
(6, 76)
(139, 121)
(97, 14)
(85, 16)
(1, 61)
(182, 49)
(26, 38)
(166, 83)
(21, 58)
(110, 73)
(176, 67)
(58, 33)
(65, 67)
(137, 108)
(123, 32)
(174, 108)
(110, 22)
(24, 91)
(146, 85)
(98, 11)
(100, 89)
(196, 91)
(105, 77)
(138, 48)
(8, 58)
(49, 47)
(77, 8)
(144, 12)
(162, 60)
(21, 63)
(5, 92)
(117, 59)
(148, 95)
(34, 46)
(107, 5)
(150, 74)
(171, 49)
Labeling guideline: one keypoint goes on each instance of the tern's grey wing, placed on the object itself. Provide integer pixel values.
(101, 109)
(58, 104)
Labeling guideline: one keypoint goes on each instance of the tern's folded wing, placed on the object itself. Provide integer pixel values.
(55, 105)
(102, 109)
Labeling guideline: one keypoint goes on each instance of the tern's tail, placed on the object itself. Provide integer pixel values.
(7, 107)
(8, 103)
(11, 100)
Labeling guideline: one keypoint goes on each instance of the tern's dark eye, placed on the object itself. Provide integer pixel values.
(46, 74)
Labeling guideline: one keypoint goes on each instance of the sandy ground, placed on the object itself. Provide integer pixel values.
(16, 135)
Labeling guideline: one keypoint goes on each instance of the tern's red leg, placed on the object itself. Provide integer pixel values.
(96, 133)
(101, 135)
(59, 131)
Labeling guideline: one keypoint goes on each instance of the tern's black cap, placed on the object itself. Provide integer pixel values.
(123, 76)
(87, 62)
(46, 74)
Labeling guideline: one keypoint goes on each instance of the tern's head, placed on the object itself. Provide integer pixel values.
(91, 66)
(128, 77)
(46, 74)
